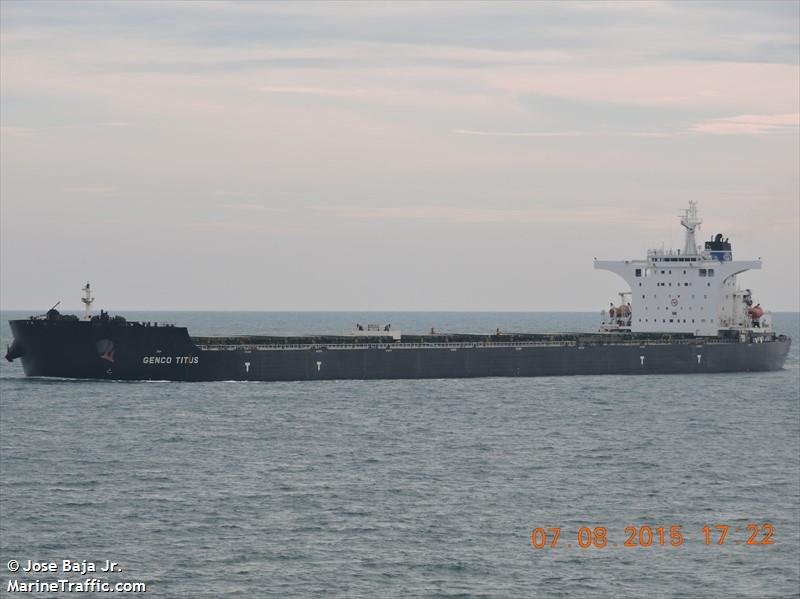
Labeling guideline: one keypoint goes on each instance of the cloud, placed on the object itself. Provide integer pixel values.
(312, 91)
(733, 86)
(249, 207)
(16, 130)
(228, 193)
(101, 189)
(480, 215)
(22, 130)
(564, 133)
(222, 226)
(219, 225)
(522, 133)
(749, 124)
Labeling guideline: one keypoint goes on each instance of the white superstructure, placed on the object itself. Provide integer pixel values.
(690, 291)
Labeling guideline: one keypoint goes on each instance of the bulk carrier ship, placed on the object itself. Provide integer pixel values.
(683, 313)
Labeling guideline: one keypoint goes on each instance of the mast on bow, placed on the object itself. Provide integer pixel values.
(87, 300)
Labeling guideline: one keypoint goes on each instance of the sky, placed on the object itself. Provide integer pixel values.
(389, 156)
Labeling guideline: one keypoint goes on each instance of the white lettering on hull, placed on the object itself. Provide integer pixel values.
(170, 359)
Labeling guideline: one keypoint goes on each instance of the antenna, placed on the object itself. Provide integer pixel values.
(87, 299)
(690, 221)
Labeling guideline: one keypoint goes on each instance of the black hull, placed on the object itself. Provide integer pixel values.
(132, 351)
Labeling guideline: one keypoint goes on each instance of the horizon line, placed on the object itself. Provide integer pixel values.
(350, 311)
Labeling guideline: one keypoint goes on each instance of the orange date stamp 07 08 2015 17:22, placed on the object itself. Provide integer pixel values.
(652, 536)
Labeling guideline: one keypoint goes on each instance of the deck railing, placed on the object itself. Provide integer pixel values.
(462, 345)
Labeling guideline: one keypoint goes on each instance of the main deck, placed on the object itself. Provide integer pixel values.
(454, 341)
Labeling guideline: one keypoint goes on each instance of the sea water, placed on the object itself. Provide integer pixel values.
(428, 488)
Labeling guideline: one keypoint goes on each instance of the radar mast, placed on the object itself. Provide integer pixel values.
(87, 299)
(690, 221)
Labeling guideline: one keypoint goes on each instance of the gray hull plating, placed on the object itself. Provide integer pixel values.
(132, 351)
